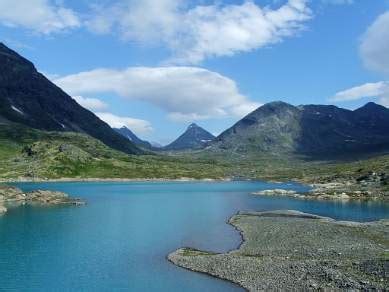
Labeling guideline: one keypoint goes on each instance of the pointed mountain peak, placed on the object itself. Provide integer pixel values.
(195, 137)
(193, 125)
(371, 107)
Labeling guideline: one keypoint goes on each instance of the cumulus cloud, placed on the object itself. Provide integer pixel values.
(194, 33)
(42, 16)
(136, 125)
(185, 93)
(379, 90)
(93, 104)
(374, 47)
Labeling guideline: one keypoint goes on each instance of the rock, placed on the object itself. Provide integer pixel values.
(13, 194)
(275, 192)
(344, 196)
(2, 209)
(51, 198)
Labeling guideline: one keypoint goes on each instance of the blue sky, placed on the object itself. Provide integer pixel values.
(156, 66)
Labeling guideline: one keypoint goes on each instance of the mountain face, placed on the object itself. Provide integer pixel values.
(194, 137)
(127, 133)
(313, 130)
(27, 97)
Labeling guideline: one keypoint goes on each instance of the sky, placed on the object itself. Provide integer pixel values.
(156, 66)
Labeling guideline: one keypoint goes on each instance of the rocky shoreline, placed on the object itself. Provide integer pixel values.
(372, 186)
(13, 195)
(65, 179)
(290, 250)
(329, 191)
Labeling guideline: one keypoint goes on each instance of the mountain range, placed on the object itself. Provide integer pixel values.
(321, 131)
(127, 133)
(193, 138)
(312, 130)
(28, 97)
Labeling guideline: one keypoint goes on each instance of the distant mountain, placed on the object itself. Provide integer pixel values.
(314, 130)
(156, 144)
(127, 133)
(194, 137)
(27, 97)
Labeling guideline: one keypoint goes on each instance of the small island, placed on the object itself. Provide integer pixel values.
(290, 250)
(13, 195)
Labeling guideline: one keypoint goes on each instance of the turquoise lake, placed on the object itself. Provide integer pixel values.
(120, 239)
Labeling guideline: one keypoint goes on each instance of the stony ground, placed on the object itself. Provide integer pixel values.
(13, 195)
(371, 186)
(289, 250)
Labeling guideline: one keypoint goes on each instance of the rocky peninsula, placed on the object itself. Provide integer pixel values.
(13, 195)
(371, 186)
(290, 250)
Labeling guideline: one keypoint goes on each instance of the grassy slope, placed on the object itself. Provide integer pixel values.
(286, 167)
(26, 152)
(56, 155)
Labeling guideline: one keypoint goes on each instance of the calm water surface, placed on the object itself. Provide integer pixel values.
(119, 240)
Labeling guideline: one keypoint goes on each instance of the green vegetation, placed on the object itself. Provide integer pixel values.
(282, 167)
(30, 153)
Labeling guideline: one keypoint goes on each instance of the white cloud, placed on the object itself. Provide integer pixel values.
(185, 93)
(92, 104)
(202, 31)
(374, 48)
(41, 16)
(378, 90)
(138, 126)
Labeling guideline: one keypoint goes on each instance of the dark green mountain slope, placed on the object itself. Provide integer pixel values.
(29, 98)
(313, 130)
(194, 137)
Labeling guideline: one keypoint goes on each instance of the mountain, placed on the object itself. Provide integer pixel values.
(127, 133)
(313, 130)
(28, 97)
(194, 137)
(156, 145)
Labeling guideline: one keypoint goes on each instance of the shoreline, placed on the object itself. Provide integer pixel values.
(183, 179)
(289, 263)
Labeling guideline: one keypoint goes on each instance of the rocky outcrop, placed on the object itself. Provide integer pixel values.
(369, 186)
(52, 198)
(278, 192)
(294, 251)
(10, 194)
(2, 209)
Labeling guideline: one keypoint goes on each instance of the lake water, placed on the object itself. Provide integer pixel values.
(120, 239)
